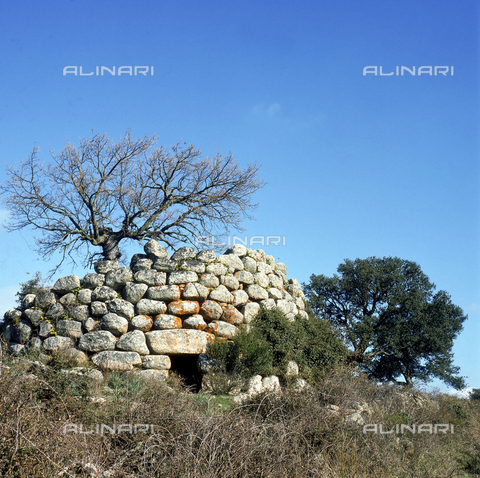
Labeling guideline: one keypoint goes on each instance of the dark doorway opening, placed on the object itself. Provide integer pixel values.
(186, 367)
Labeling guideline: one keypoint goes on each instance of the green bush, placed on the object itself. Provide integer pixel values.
(272, 341)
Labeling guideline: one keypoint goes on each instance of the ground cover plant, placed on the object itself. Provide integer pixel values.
(294, 434)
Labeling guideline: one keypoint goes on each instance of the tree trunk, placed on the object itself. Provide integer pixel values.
(111, 251)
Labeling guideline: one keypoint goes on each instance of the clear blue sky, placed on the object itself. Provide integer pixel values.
(356, 165)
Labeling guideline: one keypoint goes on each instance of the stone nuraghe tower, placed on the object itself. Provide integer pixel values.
(156, 315)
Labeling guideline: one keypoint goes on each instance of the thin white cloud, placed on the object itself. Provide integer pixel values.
(271, 111)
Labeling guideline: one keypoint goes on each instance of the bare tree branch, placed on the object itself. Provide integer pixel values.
(100, 192)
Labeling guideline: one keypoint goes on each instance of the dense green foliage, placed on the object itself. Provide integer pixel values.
(272, 341)
(390, 317)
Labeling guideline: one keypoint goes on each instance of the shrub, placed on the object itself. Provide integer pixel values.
(272, 341)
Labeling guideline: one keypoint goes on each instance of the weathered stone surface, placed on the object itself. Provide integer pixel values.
(256, 292)
(195, 322)
(179, 341)
(140, 262)
(250, 311)
(270, 260)
(191, 292)
(84, 296)
(154, 250)
(194, 266)
(183, 307)
(275, 281)
(66, 284)
(230, 282)
(257, 255)
(117, 278)
(13, 315)
(16, 349)
(134, 292)
(292, 368)
(80, 312)
(167, 321)
(274, 293)
(22, 332)
(261, 279)
(151, 277)
(303, 314)
(104, 294)
(114, 324)
(184, 253)
(238, 249)
(55, 311)
(211, 310)
(143, 323)
(68, 300)
(28, 301)
(206, 364)
(240, 297)
(98, 308)
(286, 306)
(164, 264)
(206, 255)
(44, 329)
(104, 266)
(44, 299)
(97, 341)
(150, 307)
(115, 360)
(245, 277)
(56, 343)
(271, 384)
(91, 324)
(232, 261)
(221, 294)
(280, 266)
(250, 264)
(6, 330)
(164, 292)
(121, 307)
(69, 328)
(222, 329)
(232, 315)
(157, 362)
(217, 269)
(209, 280)
(150, 375)
(133, 342)
(75, 356)
(35, 343)
(34, 316)
(182, 277)
(268, 304)
(264, 267)
(282, 276)
(92, 281)
(299, 302)
(287, 296)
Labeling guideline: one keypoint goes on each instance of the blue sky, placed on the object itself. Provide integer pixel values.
(356, 165)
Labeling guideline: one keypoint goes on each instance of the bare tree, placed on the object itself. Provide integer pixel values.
(99, 193)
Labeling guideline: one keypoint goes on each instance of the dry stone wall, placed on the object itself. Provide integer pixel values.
(162, 306)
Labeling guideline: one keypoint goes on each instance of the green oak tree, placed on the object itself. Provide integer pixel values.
(390, 317)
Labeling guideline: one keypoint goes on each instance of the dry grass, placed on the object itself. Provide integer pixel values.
(287, 435)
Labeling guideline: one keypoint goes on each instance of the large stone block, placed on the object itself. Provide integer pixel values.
(183, 307)
(97, 341)
(66, 284)
(114, 360)
(179, 341)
